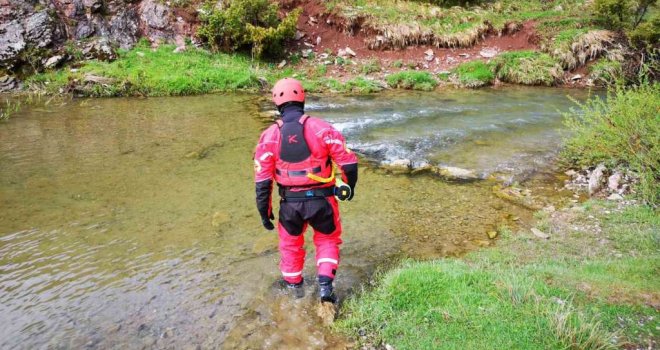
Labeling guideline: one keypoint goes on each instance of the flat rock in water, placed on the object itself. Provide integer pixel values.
(455, 173)
(540, 234)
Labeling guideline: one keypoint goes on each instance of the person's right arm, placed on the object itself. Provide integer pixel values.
(264, 173)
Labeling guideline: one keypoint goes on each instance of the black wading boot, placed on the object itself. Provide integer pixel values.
(326, 292)
(296, 289)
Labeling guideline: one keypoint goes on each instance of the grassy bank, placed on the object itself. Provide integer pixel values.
(143, 71)
(583, 288)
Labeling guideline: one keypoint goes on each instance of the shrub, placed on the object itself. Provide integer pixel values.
(527, 67)
(412, 80)
(247, 23)
(622, 14)
(622, 130)
(474, 74)
(606, 72)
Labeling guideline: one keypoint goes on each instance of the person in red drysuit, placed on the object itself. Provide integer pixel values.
(298, 152)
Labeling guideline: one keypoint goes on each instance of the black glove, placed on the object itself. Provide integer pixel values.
(264, 190)
(267, 223)
(350, 172)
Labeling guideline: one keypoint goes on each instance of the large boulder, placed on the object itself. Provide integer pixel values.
(155, 15)
(39, 29)
(12, 43)
(8, 83)
(125, 28)
(99, 49)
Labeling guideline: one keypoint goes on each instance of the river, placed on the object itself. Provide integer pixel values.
(130, 223)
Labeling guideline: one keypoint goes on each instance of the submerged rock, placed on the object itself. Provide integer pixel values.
(454, 173)
(220, 218)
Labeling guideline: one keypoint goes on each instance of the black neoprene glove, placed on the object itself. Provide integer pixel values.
(350, 171)
(267, 223)
(264, 190)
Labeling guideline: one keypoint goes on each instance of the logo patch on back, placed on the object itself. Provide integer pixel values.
(293, 139)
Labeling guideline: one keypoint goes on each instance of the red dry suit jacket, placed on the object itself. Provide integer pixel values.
(324, 142)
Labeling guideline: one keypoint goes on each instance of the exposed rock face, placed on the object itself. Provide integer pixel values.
(37, 29)
(12, 43)
(8, 83)
(125, 28)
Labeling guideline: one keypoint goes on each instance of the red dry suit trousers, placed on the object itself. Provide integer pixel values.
(322, 214)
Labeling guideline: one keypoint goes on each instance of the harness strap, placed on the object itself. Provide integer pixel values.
(307, 194)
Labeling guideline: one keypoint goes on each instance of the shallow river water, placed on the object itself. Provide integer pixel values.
(130, 223)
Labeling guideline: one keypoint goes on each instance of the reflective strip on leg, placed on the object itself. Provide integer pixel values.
(291, 274)
(327, 260)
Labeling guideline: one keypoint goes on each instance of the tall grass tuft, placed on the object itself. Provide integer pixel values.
(622, 130)
(9, 108)
(575, 332)
(412, 80)
(528, 68)
(474, 74)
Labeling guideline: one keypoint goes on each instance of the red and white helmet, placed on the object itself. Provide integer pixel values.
(288, 90)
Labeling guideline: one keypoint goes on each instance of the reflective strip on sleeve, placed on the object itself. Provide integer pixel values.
(265, 156)
(326, 260)
(291, 274)
(335, 141)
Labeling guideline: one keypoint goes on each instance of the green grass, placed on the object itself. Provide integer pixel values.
(522, 294)
(474, 74)
(622, 130)
(414, 80)
(160, 72)
(528, 68)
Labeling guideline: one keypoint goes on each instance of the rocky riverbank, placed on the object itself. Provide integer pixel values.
(44, 35)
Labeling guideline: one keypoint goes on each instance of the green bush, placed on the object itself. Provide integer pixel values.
(622, 130)
(606, 72)
(474, 74)
(647, 33)
(528, 68)
(414, 80)
(250, 24)
(622, 14)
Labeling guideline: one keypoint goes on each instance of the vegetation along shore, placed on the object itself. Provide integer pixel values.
(182, 47)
